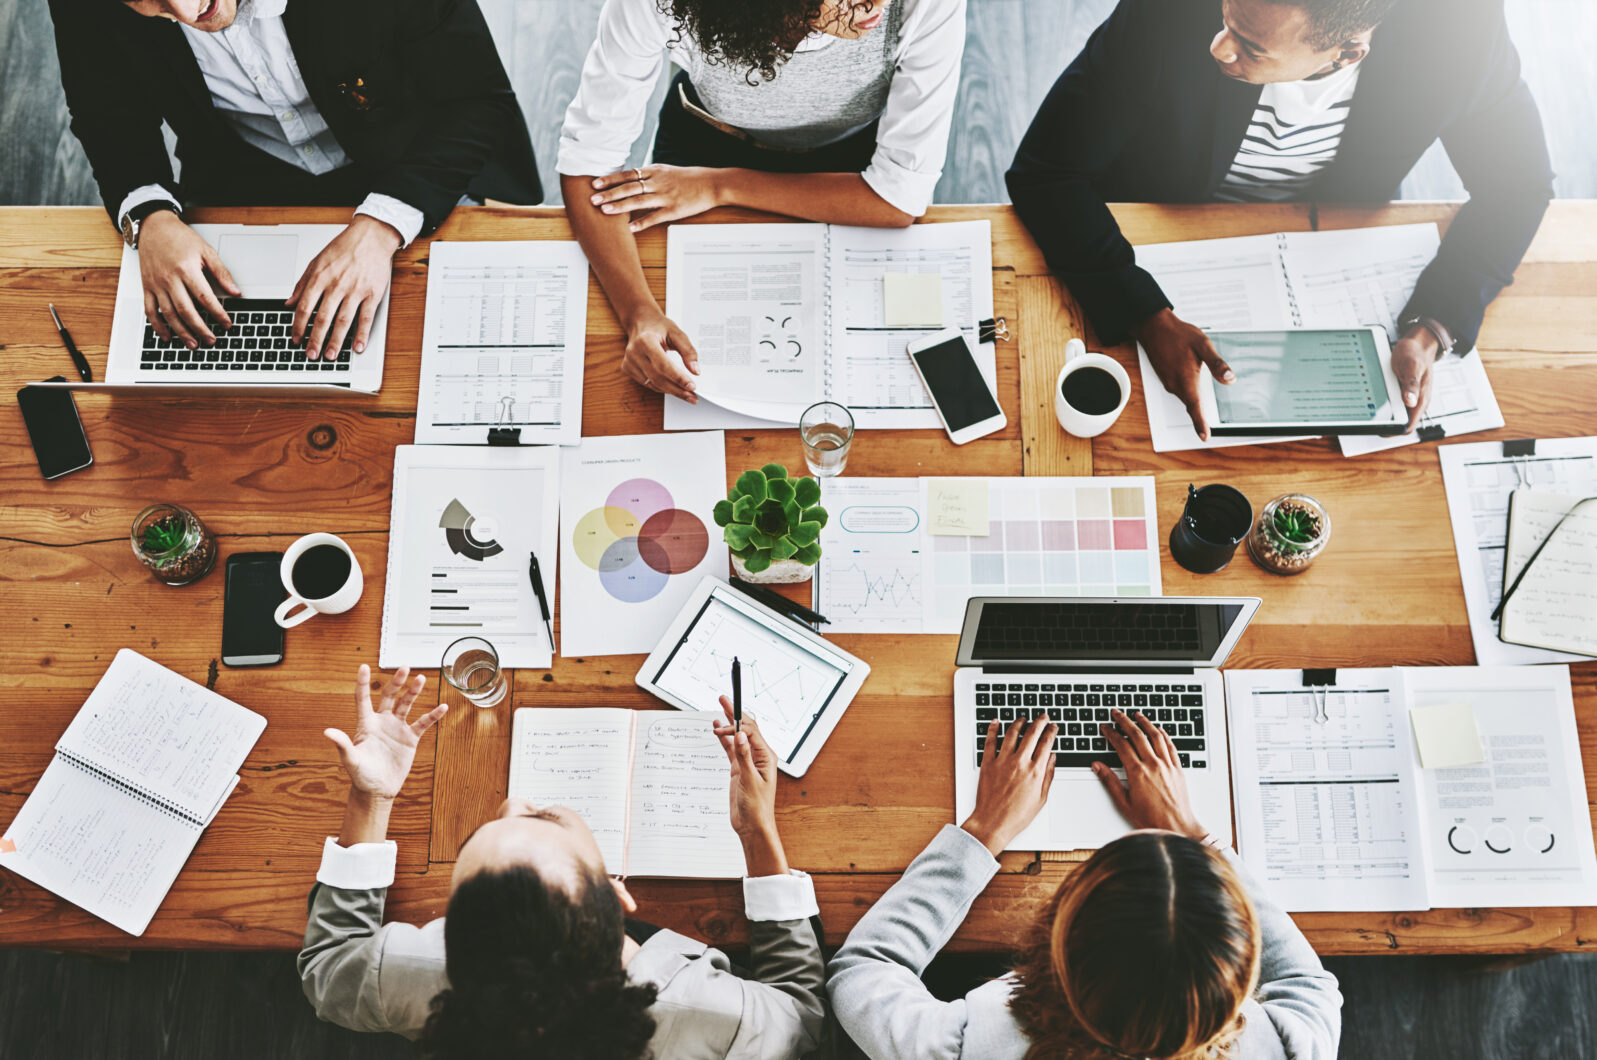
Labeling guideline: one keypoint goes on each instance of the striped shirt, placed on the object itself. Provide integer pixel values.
(1295, 132)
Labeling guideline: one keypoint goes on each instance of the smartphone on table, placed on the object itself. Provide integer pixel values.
(55, 429)
(254, 588)
(965, 402)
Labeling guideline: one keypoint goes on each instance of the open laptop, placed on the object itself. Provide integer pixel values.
(257, 353)
(1075, 658)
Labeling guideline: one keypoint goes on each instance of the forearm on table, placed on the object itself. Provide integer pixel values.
(612, 250)
(365, 819)
(833, 198)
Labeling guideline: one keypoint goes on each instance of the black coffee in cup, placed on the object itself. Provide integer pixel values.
(1091, 391)
(320, 571)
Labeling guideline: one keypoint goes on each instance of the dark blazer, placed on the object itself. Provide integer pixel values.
(1144, 114)
(435, 119)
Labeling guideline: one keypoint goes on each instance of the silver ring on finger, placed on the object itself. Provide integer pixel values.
(648, 382)
(644, 185)
(637, 175)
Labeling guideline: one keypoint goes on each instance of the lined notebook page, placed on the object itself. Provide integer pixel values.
(1555, 605)
(157, 730)
(99, 847)
(576, 758)
(681, 823)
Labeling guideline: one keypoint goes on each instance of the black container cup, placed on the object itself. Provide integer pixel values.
(1215, 520)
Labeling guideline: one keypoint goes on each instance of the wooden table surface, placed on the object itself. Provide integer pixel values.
(262, 472)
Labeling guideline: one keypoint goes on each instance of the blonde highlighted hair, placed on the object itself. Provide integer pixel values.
(1149, 949)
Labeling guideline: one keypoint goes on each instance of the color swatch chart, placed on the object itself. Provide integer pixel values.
(904, 555)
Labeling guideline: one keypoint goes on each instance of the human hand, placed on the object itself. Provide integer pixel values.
(1154, 793)
(343, 285)
(379, 757)
(1178, 350)
(173, 262)
(1413, 357)
(656, 194)
(648, 360)
(753, 793)
(1012, 789)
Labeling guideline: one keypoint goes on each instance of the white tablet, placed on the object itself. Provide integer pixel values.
(1308, 382)
(795, 682)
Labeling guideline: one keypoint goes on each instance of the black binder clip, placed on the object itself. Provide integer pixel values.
(502, 435)
(1319, 681)
(1520, 450)
(993, 329)
(1431, 432)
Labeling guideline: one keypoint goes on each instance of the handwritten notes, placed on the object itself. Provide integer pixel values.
(1445, 735)
(1555, 603)
(577, 758)
(912, 299)
(957, 507)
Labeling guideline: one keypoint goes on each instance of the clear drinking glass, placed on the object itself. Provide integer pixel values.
(827, 430)
(471, 666)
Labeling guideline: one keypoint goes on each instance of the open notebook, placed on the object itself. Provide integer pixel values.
(1551, 602)
(652, 785)
(785, 315)
(143, 768)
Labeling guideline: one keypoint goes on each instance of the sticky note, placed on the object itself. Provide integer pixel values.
(1446, 735)
(7, 846)
(957, 507)
(912, 299)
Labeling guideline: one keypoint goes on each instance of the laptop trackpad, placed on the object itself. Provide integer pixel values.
(262, 264)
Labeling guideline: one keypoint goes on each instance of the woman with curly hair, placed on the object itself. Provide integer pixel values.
(827, 110)
(1159, 946)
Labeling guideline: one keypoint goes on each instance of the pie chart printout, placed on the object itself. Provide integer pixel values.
(638, 539)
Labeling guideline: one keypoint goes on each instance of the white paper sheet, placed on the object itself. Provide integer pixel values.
(1555, 603)
(1479, 480)
(636, 536)
(1462, 402)
(464, 524)
(871, 576)
(577, 757)
(503, 343)
(680, 822)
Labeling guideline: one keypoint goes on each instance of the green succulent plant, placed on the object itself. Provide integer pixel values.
(1296, 525)
(768, 517)
(164, 535)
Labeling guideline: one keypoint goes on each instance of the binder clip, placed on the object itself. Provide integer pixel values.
(1319, 681)
(502, 435)
(1431, 432)
(993, 329)
(1518, 450)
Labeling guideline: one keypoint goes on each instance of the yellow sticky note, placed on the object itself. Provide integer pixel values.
(912, 299)
(957, 507)
(1446, 735)
(7, 846)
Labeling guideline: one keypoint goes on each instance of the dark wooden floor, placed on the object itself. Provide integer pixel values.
(247, 1006)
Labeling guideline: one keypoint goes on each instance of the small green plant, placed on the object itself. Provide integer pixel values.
(164, 535)
(1295, 526)
(768, 517)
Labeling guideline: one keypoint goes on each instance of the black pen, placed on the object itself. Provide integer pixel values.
(66, 338)
(535, 573)
(737, 695)
(777, 602)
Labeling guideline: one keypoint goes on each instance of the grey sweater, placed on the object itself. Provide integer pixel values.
(874, 980)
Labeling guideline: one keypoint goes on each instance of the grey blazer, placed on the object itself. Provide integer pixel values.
(369, 976)
(880, 1001)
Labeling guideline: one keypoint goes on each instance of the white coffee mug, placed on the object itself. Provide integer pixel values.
(1072, 419)
(337, 602)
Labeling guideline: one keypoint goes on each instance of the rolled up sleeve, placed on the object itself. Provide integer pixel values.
(618, 76)
(912, 136)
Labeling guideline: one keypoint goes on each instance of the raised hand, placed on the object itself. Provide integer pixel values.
(752, 793)
(1154, 793)
(378, 758)
(1016, 772)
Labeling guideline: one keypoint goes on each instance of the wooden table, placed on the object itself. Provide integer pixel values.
(262, 472)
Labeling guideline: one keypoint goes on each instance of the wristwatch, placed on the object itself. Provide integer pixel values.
(133, 220)
(1444, 338)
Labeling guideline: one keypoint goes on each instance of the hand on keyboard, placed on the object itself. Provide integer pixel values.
(175, 266)
(1154, 793)
(1013, 784)
(343, 286)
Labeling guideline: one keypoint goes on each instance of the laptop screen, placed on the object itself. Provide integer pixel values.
(1081, 631)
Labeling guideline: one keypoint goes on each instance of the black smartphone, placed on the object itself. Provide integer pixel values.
(250, 633)
(55, 430)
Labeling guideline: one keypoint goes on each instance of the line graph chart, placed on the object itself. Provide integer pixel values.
(886, 588)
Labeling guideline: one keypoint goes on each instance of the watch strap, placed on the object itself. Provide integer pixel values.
(133, 221)
(1444, 338)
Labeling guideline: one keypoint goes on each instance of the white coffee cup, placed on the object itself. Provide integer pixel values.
(336, 602)
(1072, 419)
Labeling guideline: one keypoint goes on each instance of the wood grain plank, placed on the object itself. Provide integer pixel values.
(1051, 320)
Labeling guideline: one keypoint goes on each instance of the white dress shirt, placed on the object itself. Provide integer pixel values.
(255, 83)
(635, 36)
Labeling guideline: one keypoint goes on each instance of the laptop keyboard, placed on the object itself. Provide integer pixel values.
(261, 339)
(1065, 628)
(1078, 710)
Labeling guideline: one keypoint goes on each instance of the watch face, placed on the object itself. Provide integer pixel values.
(130, 232)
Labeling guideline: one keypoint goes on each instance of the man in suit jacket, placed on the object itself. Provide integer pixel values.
(534, 956)
(397, 107)
(1279, 100)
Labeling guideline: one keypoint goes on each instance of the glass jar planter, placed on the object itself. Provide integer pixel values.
(172, 542)
(1289, 533)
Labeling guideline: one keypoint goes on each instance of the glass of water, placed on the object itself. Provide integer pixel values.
(827, 430)
(471, 666)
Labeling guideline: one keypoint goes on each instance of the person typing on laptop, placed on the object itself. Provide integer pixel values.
(398, 109)
(536, 955)
(1160, 945)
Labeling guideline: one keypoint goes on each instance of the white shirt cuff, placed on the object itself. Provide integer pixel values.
(401, 216)
(141, 195)
(576, 159)
(362, 867)
(903, 189)
(790, 897)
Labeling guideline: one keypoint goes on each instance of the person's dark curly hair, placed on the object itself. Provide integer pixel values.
(757, 34)
(536, 971)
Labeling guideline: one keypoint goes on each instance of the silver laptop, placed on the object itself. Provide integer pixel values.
(257, 352)
(1074, 659)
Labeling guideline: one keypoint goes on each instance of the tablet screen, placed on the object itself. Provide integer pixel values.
(788, 682)
(1309, 377)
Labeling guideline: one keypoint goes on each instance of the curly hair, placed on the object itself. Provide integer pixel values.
(757, 34)
(1333, 21)
(1149, 949)
(535, 970)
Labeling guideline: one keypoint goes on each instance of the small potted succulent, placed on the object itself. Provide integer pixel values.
(773, 524)
(172, 542)
(1290, 532)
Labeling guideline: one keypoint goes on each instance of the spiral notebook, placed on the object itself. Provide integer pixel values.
(138, 775)
(785, 315)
